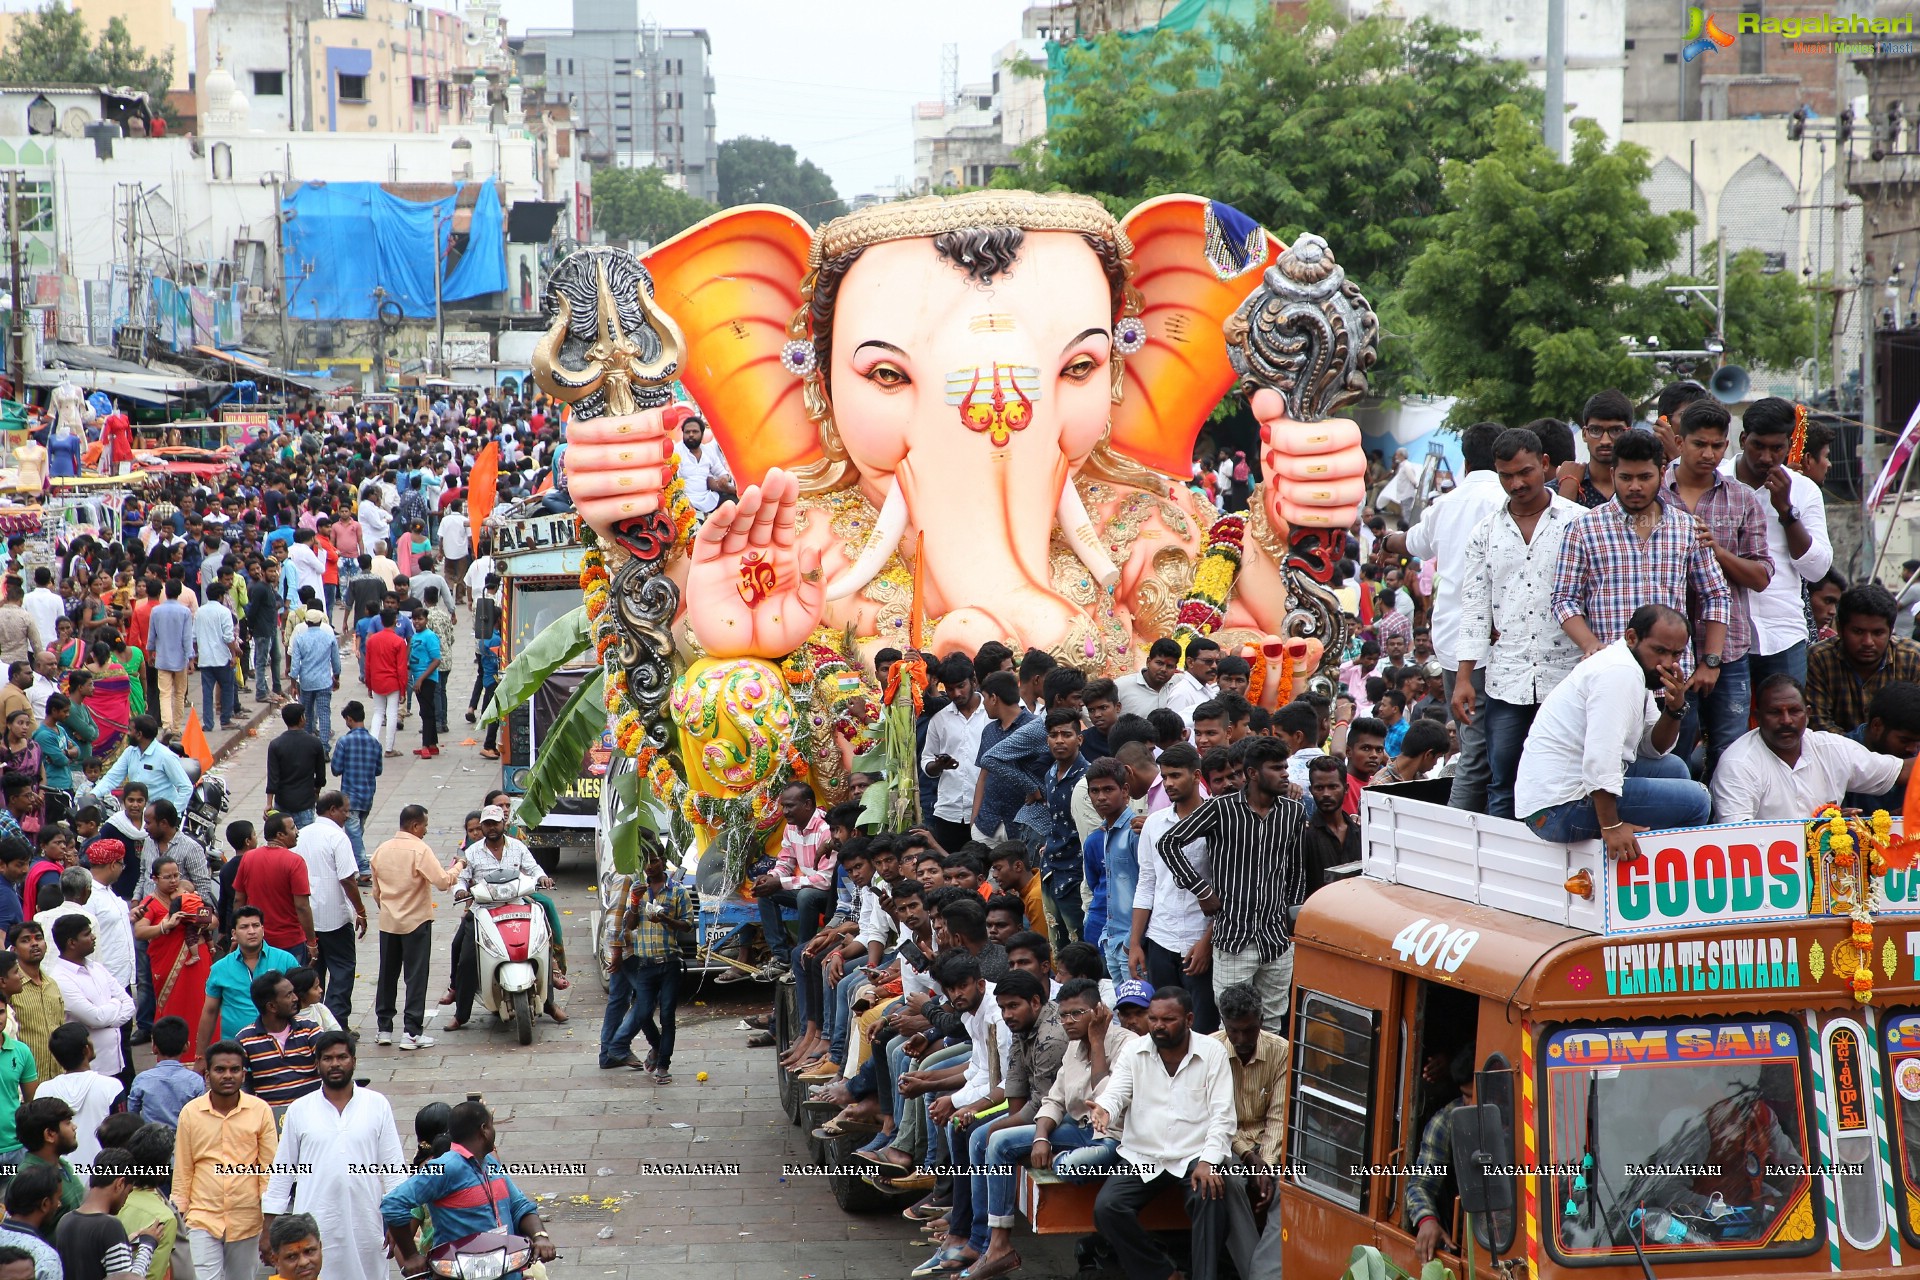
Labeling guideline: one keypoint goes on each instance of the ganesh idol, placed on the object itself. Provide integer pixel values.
(972, 417)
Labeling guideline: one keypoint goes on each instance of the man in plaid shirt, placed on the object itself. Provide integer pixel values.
(645, 970)
(1636, 550)
(1430, 1185)
(357, 763)
(1733, 526)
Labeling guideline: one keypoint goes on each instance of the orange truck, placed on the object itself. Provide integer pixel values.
(1675, 1074)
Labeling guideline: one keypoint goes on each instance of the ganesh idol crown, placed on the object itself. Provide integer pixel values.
(952, 420)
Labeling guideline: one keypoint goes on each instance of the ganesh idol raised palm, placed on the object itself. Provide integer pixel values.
(981, 406)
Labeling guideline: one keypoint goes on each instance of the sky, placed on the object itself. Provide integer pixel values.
(834, 79)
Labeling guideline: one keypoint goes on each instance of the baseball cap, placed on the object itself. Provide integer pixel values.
(493, 813)
(1133, 991)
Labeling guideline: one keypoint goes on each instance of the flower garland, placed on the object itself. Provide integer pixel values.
(1797, 448)
(1854, 852)
(1256, 672)
(1205, 607)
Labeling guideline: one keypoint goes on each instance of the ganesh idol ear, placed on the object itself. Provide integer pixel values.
(1194, 262)
(732, 283)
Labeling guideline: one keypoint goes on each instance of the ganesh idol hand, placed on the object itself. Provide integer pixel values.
(1315, 471)
(618, 468)
(752, 591)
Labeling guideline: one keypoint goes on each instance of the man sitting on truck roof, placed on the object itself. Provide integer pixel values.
(1892, 729)
(1782, 770)
(1597, 760)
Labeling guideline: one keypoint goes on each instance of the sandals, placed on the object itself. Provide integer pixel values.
(662, 1077)
(976, 1272)
(950, 1260)
(924, 1211)
(488, 755)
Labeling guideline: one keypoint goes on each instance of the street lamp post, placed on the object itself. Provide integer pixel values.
(439, 319)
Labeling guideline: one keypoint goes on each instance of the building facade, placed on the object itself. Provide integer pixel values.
(640, 95)
(351, 66)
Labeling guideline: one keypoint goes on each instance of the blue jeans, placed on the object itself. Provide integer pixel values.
(812, 904)
(1078, 1156)
(266, 650)
(303, 817)
(1506, 727)
(220, 679)
(318, 704)
(1723, 712)
(1471, 788)
(656, 995)
(357, 837)
(839, 1012)
(1659, 792)
(1792, 660)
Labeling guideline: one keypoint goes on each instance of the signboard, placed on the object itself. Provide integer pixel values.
(537, 533)
(1903, 1055)
(1741, 873)
(1850, 1105)
(248, 417)
(1630, 1046)
(579, 805)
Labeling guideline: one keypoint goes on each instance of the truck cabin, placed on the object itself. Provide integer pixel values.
(1662, 1066)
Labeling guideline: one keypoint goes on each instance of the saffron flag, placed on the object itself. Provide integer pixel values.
(482, 485)
(194, 741)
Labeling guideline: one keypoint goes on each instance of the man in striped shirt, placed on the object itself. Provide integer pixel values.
(1254, 875)
(280, 1061)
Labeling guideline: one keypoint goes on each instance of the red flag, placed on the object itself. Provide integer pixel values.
(482, 485)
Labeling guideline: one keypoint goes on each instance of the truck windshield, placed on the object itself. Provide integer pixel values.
(1697, 1136)
(1903, 1080)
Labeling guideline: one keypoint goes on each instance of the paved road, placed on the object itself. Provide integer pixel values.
(554, 1104)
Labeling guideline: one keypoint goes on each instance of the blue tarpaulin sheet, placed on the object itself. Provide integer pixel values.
(344, 240)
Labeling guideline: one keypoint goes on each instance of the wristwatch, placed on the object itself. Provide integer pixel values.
(1669, 712)
(1711, 662)
(1792, 516)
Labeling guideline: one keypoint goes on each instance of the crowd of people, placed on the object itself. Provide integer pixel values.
(1082, 961)
(335, 540)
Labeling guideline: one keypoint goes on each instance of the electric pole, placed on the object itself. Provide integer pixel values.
(17, 325)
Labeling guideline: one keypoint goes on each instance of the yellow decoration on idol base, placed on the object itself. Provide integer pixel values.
(734, 717)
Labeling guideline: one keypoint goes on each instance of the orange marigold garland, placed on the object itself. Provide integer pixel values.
(1797, 447)
(1853, 850)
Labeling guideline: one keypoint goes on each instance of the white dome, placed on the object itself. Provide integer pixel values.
(221, 89)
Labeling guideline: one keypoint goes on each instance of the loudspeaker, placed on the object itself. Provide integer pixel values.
(1729, 384)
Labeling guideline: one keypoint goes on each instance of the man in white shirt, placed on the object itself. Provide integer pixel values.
(376, 525)
(1597, 761)
(456, 542)
(1194, 685)
(1146, 690)
(1509, 650)
(1171, 934)
(1174, 1091)
(106, 859)
(307, 563)
(1783, 771)
(702, 467)
(44, 604)
(46, 682)
(1442, 536)
(93, 998)
(1796, 539)
(339, 917)
(953, 744)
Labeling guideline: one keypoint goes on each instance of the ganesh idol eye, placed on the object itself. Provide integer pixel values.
(1080, 368)
(887, 374)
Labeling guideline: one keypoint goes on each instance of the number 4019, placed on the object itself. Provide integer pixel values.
(1429, 942)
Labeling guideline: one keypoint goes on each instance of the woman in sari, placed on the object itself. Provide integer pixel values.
(96, 610)
(103, 691)
(174, 927)
(68, 649)
(19, 753)
(131, 663)
(414, 543)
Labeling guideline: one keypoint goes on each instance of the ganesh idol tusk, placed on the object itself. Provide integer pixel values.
(1077, 529)
(886, 536)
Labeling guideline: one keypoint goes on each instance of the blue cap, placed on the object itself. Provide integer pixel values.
(1133, 991)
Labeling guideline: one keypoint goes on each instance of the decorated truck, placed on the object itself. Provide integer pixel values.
(1703, 1061)
(538, 554)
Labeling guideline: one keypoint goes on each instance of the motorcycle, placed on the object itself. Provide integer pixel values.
(510, 948)
(486, 1256)
(209, 804)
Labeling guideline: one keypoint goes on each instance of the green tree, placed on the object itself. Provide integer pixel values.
(638, 204)
(1522, 291)
(1316, 124)
(762, 171)
(54, 46)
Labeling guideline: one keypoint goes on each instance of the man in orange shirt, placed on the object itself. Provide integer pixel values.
(405, 871)
(330, 557)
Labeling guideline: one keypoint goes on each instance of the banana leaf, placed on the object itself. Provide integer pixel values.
(556, 766)
(1368, 1263)
(636, 821)
(549, 651)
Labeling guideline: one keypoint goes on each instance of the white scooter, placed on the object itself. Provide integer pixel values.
(510, 947)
